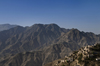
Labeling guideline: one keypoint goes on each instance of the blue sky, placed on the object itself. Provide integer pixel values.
(81, 14)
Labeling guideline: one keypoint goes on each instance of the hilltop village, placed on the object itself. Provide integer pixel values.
(86, 56)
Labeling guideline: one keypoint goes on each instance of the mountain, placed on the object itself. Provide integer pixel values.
(78, 37)
(19, 39)
(6, 26)
(24, 59)
(57, 51)
(85, 56)
(43, 42)
(39, 58)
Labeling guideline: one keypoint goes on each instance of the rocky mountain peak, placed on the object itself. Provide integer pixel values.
(52, 27)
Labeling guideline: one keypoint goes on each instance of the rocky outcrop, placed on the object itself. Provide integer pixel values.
(86, 56)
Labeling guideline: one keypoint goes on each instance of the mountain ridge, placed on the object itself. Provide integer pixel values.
(6, 26)
(53, 42)
(25, 39)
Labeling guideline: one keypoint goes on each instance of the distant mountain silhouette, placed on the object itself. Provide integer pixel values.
(6, 26)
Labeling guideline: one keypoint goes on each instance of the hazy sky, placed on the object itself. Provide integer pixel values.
(81, 14)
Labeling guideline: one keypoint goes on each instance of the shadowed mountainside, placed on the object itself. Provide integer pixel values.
(39, 58)
(21, 39)
(81, 38)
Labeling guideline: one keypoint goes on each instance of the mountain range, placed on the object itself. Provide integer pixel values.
(6, 26)
(40, 43)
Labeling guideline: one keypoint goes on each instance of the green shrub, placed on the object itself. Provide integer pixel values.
(75, 52)
(96, 48)
(63, 65)
(80, 58)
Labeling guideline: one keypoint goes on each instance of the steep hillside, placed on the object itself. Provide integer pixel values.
(24, 59)
(86, 56)
(57, 51)
(39, 58)
(21, 39)
(81, 38)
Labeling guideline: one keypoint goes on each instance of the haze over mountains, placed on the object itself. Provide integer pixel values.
(6, 26)
(40, 44)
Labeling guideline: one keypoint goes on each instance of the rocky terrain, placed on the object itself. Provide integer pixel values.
(39, 58)
(40, 44)
(21, 39)
(86, 56)
(81, 38)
